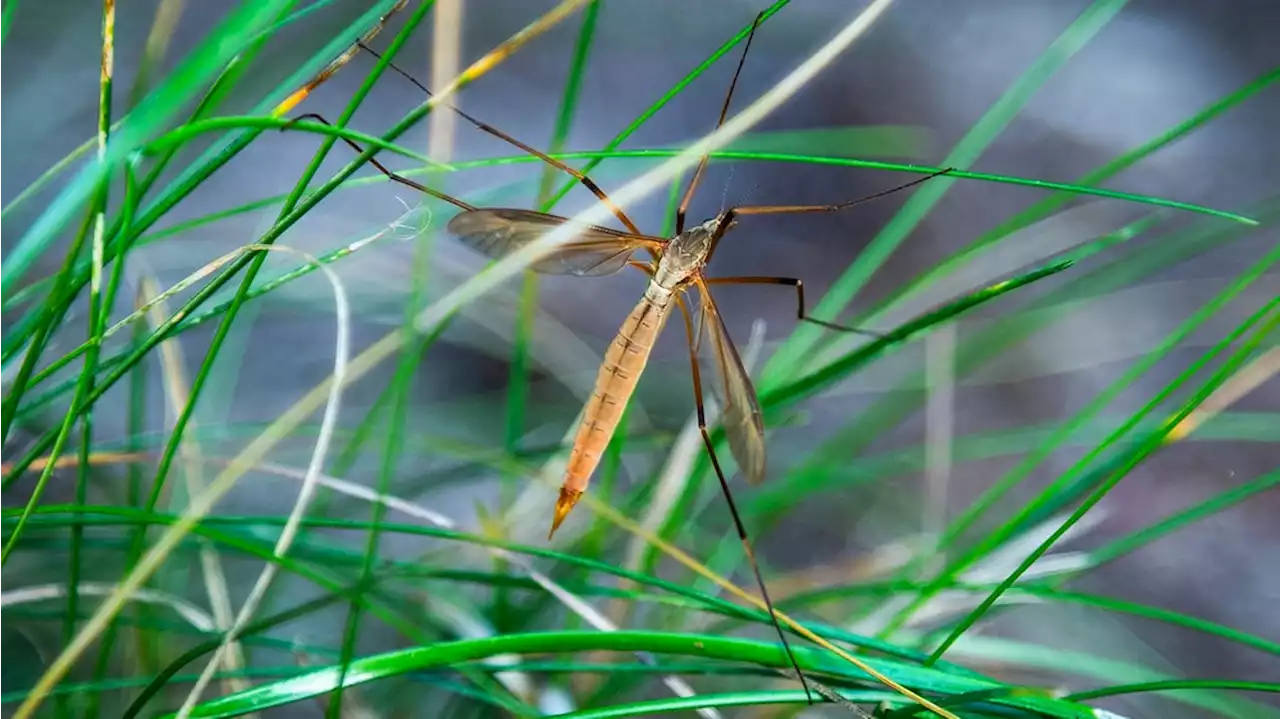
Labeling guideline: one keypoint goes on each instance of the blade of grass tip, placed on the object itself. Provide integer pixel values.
(98, 310)
(156, 111)
(286, 422)
(669, 95)
(838, 161)
(228, 648)
(518, 378)
(1048, 205)
(802, 342)
(1033, 459)
(1136, 455)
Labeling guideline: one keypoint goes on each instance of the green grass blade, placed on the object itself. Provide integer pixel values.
(812, 383)
(1135, 456)
(1048, 205)
(970, 147)
(160, 106)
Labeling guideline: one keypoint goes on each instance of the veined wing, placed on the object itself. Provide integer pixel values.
(723, 373)
(596, 250)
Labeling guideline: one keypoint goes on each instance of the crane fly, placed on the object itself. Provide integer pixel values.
(677, 269)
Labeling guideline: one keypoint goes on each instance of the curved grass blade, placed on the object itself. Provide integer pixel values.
(390, 664)
(812, 383)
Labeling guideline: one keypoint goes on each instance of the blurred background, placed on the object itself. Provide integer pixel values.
(907, 92)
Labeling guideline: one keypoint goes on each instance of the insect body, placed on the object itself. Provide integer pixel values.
(626, 358)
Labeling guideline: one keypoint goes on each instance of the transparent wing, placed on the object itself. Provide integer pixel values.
(726, 378)
(596, 251)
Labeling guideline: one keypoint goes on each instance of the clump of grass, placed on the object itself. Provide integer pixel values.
(484, 623)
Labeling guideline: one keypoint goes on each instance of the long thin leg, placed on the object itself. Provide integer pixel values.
(796, 209)
(486, 127)
(383, 168)
(728, 496)
(801, 313)
(724, 111)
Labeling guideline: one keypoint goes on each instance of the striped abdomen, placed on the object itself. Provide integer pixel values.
(623, 364)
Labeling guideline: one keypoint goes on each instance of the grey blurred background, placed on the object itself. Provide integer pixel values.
(934, 66)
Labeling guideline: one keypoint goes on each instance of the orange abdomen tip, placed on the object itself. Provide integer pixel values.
(564, 505)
